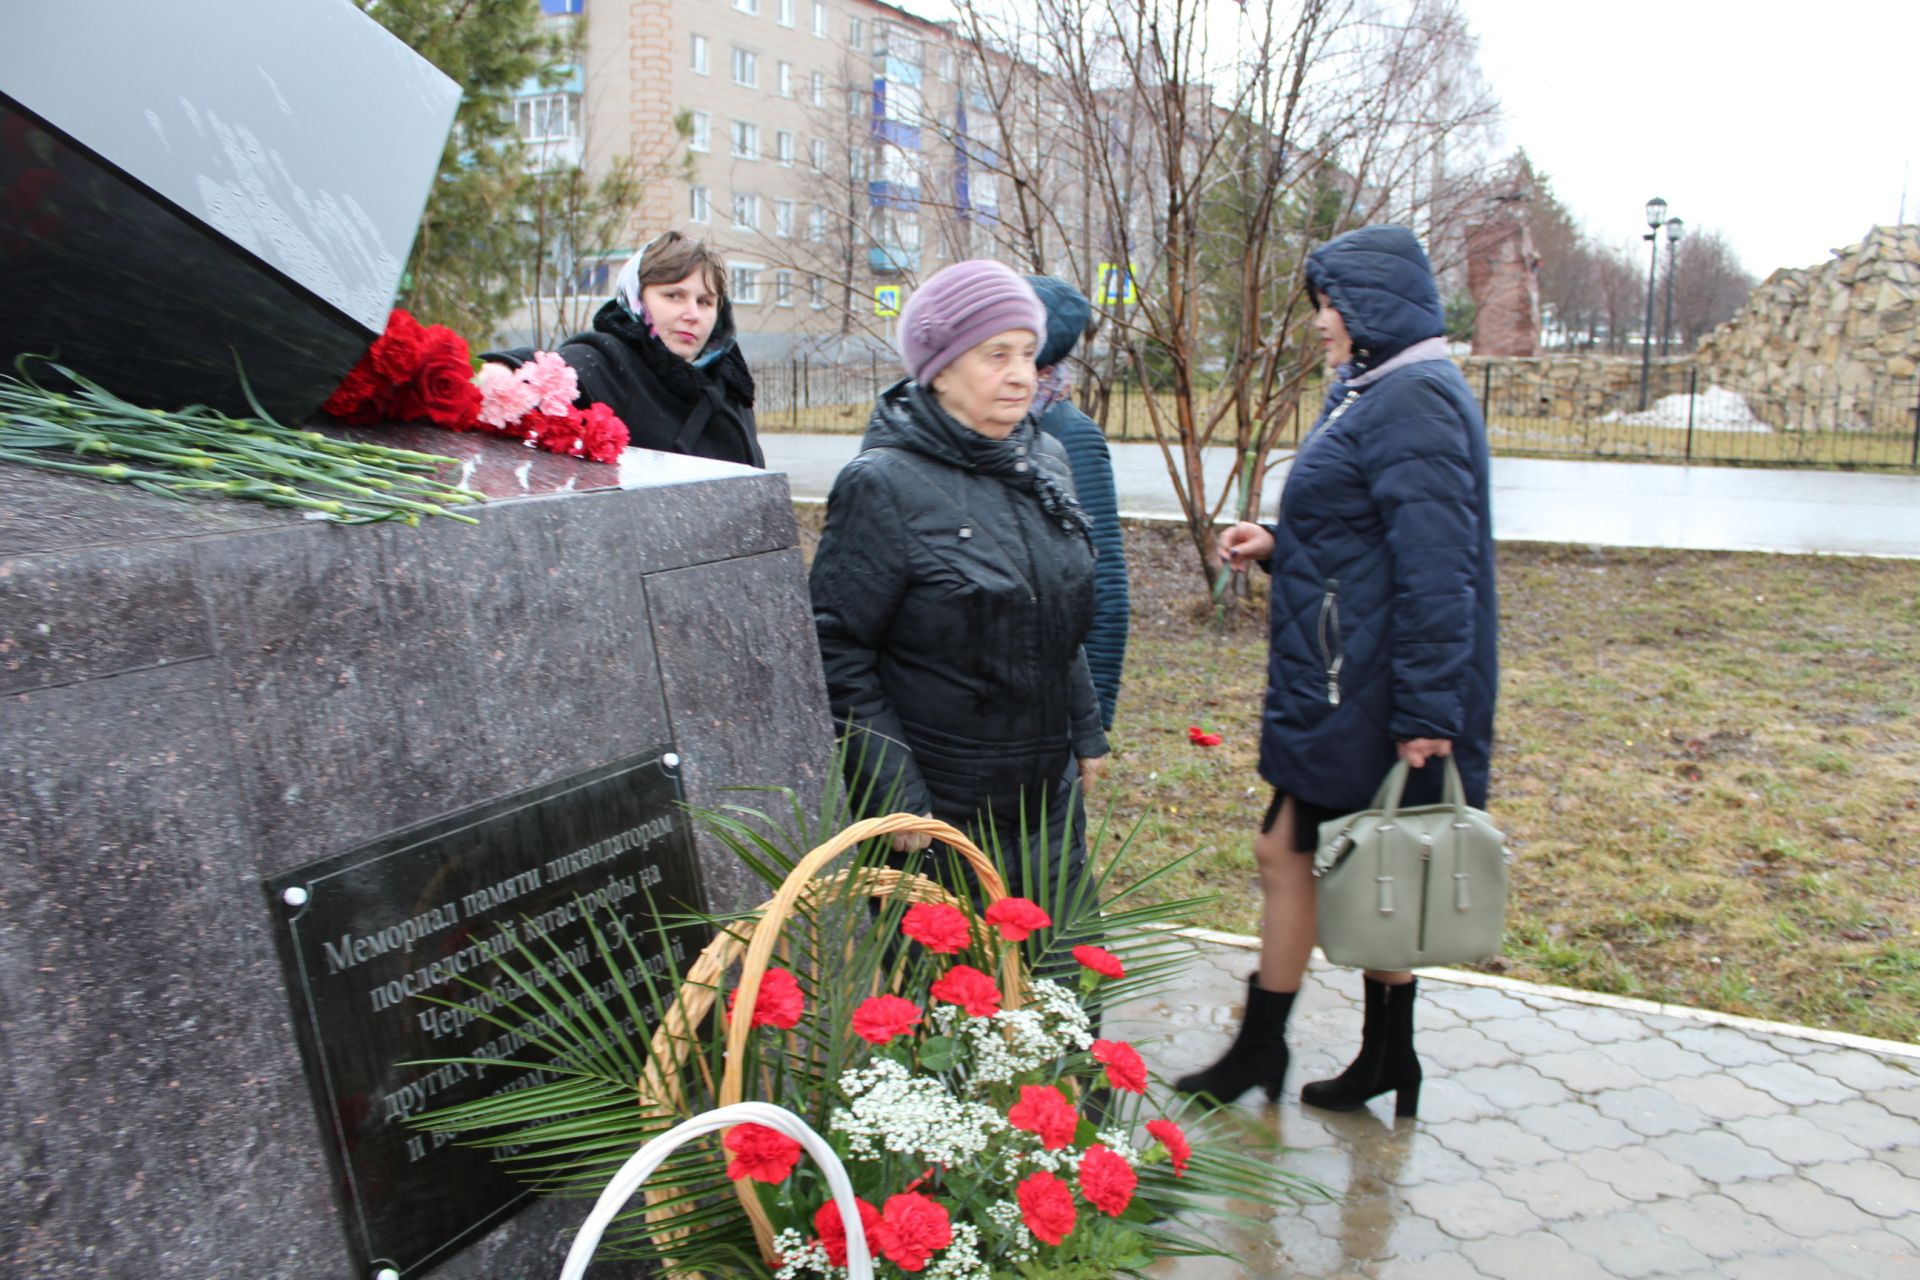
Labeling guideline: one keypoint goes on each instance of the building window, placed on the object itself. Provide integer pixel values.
(816, 292)
(746, 140)
(817, 223)
(546, 117)
(783, 219)
(819, 89)
(746, 212)
(747, 6)
(817, 154)
(819, 19)
(856, 32)
(697, 208)
(784, 79)
(946, 65)
(783, 288)
(746, 283)
(700, 55)
(783, 147)
(698, 140)
(857, 164)
(746, 67)
(786, 12)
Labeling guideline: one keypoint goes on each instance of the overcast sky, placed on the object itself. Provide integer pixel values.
(1790, 128)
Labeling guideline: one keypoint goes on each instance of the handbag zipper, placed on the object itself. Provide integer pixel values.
(1333, 652)
(1426, 879)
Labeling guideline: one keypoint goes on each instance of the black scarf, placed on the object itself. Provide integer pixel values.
(679, 376)
(1009, 461)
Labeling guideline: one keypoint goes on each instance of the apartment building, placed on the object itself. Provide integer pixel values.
(828, 148)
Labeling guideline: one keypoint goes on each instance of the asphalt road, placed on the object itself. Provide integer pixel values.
(1624, 504)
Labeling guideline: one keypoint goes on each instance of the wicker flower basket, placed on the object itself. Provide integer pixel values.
(752, 945)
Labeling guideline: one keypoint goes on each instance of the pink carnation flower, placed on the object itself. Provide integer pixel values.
(504, 398)
(553, 381)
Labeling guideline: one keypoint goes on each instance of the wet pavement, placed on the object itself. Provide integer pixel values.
(1565, 1134)
(1622, 504)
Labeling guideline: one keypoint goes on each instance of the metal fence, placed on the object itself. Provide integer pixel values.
(1686, 419)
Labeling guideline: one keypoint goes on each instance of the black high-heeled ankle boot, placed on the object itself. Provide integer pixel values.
(1258, 1055)
(1386, 1058)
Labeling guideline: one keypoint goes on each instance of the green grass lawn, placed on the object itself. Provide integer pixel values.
(1709, 765)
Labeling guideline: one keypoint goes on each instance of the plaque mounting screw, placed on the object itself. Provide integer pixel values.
(671, 760)
(386, 1273)
(297, 897)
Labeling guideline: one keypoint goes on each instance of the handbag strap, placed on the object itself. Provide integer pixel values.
(1394, 785)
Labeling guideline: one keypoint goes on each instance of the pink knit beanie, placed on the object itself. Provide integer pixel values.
(960, 307)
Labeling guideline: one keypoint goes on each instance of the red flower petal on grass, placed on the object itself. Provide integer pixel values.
(1046, 1206)
(1195, 733)
(1209, 739)
(1015, 918)
(881, 1018)
(760, 1153)
(912, 1228)
(780, 1004)
(1106, 1180)
(1100, 960)
(937, 927)
(832, 1228)
(1169, 1135)
(969, 988)
(1125, 1069)
(1045, 1111)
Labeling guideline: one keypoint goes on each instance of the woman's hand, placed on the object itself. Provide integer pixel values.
(1417, 751)
(1244, 544)
(1090, 769)
(911, 841)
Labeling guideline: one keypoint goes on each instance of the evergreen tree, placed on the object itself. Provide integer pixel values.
(470, 250)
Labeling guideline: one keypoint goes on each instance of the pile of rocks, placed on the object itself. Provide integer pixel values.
(1833, 345)
(1568, 387)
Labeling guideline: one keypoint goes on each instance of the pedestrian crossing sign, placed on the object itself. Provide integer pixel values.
(886, 300)
(1115, 286)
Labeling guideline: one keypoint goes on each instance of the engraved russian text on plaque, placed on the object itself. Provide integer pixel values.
(371, 937)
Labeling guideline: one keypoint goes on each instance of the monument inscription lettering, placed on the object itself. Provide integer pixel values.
(393, 954)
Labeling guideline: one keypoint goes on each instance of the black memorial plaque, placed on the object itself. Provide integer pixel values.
(367, 933)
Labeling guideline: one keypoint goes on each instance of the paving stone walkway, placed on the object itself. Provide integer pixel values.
(1568, 1136)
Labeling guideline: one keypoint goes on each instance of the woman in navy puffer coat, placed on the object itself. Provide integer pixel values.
(1384, 629)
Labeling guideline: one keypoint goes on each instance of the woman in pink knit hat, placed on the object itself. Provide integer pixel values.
(952, 590)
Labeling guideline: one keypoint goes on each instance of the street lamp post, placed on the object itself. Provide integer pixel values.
(1674, 227)
(1656, 215)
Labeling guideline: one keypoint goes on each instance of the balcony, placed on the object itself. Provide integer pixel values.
(892, 259)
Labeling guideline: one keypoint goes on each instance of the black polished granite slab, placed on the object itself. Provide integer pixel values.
(197, 696)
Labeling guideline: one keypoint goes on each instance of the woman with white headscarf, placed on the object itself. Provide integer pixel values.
(663, 355)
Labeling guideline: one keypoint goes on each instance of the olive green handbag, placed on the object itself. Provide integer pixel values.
(1404, 888)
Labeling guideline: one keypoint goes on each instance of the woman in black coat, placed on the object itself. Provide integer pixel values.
(953, 588)
(1383, 633)
(663, 355)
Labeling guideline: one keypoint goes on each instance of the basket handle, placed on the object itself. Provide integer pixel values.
(641, 1164)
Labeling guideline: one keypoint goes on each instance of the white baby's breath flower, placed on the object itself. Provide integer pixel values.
(896, 1111)
(960, 1260)
(1006, 1215)
(1120, 1142)
(799, 1259)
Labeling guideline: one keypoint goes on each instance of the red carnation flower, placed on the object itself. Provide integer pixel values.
(396, 353)
(937, 927)
(1101, 961)
(881, 1018)
(1106, 1180)
(969, 988)
(912, 1228)
(357, 394)
(1015, 918)
(1046, 1206)
(760, 1153)
(605, 437)
(1202, 738)
(1168, 1134)
(832, 1228)
(1045, 1111)
(1125, 1069)
(780, 1003)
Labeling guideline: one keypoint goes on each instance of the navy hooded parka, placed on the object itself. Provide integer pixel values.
(1383, 618)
